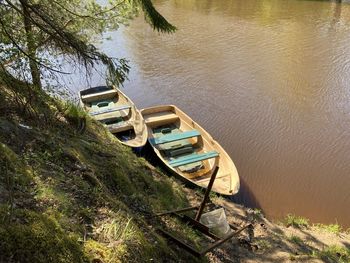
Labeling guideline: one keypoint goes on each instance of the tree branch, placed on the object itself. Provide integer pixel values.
(25, 53)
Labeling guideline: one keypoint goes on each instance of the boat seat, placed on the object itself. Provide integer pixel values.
(191, 167)
(120, 108)
(120, 126)
(162, 130)
(160, 119)
(172, 137)
(192, 158)
(174, 145)
(100, 95)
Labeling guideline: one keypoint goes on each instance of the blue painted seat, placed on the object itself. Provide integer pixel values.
(192, 158)
(174, 137)
(123, 107)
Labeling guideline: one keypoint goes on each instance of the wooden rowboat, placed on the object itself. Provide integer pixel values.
(112, 107)
(188, 150)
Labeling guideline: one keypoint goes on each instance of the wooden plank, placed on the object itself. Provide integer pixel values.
(123, 107)
(193, 158)
(174, 137)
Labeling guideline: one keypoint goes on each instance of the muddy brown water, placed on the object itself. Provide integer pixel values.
(270, 80)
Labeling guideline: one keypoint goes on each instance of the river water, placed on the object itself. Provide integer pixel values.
(270, 80)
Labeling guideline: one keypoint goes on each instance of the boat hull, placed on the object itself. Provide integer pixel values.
(227, 180)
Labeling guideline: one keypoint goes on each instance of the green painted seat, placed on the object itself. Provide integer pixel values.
(164, 130)
(120, 108)
(192, 158)
(184, 151)
(171, 137)
(174, 145)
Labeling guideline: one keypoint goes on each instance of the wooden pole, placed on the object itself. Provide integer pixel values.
(206, 195)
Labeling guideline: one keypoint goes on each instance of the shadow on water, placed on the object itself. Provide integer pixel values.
(245, 196)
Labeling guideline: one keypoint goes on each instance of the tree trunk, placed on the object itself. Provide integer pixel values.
(31, 48)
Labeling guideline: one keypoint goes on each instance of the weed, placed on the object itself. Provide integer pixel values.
(257, 213)
(331, 228)
(296, 240)
(119, 229)
(296, 221)
(75, 115)
(333, 253)
(263, 244)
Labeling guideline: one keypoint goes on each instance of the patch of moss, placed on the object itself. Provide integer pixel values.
(12, 166)
(27, 236)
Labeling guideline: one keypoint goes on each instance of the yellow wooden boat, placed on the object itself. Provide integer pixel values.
(112, 107)
(188, 150)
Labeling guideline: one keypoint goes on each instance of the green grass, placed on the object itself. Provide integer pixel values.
(79, 197)
(296, 240)
(333, 253)
(331, 228)
(118, 229)
(27, 236)
(296, 221)
(263, 244)
(257, 213)
(72, 110)
(74, 114)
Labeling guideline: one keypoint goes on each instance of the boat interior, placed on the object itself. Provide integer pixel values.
(107, 106)
(180, 144)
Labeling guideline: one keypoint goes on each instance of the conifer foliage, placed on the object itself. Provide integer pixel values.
(37, 36)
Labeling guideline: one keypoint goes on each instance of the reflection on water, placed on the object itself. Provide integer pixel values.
(270, 80)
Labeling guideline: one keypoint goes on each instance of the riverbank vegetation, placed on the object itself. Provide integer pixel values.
(69, 195)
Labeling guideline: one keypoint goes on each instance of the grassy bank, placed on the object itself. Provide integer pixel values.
(69, 192)
(69, 195)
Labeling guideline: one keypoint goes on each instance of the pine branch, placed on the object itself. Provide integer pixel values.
(154, 18)
(13, 41)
